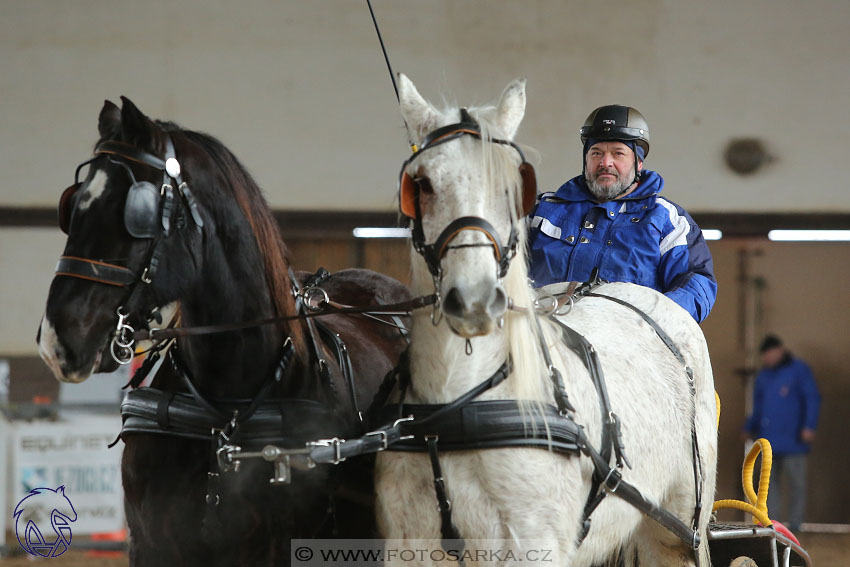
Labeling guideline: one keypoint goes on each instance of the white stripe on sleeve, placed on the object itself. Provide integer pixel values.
(681, 227)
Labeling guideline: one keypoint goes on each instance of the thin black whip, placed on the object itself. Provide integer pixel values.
(384, 49)
(390, 69)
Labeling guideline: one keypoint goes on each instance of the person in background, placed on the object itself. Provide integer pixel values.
(786, 403)
(611, 217)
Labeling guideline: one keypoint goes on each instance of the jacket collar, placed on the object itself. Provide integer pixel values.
(651, 184)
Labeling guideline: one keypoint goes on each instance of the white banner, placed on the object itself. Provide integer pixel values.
(72, 453)
(5, 484)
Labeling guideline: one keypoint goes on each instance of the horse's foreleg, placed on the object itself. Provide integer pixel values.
(405, 508)
(658, 547)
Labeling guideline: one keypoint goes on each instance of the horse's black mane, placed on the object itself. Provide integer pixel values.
(251, 200)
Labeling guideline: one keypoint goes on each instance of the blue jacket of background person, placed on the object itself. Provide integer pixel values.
(785, 400)
(642, 238)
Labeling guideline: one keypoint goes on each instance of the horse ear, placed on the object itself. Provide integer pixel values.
(109, 121)
(417, 112)
(511, 108)
(137, 128)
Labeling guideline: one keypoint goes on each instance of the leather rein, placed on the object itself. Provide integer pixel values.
(324, 308)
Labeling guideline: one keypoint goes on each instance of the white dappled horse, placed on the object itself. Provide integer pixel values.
(529, 494)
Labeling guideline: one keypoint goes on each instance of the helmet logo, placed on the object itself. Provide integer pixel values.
(609, 122)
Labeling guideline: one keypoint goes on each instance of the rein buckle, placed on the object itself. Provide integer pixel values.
(334, 442)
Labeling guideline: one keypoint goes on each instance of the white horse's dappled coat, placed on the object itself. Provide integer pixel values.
(527, 495)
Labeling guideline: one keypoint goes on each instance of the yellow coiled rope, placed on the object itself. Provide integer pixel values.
(756, 503)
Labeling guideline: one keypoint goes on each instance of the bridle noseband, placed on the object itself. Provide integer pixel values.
(409, 203)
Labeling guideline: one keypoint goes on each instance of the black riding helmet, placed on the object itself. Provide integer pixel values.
(616, 123)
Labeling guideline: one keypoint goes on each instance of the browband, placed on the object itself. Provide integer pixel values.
(127, 151)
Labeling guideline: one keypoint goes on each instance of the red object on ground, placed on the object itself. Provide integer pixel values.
(120, 535)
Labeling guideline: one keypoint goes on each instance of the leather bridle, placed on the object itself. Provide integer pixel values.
(148, 214)
(409, 202)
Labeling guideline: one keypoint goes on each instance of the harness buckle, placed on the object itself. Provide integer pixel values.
(400, 420)
(617, 476)
(382, 436)
(228, 458)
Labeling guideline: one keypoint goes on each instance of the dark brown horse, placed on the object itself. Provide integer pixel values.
(168, 226)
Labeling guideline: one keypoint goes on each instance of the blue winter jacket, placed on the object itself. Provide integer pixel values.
(785, 400)
(642, 238)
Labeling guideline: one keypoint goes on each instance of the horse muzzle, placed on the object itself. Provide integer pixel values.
(64, 366)
(474, 312)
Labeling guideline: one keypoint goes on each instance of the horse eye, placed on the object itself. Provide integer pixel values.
(424, 184)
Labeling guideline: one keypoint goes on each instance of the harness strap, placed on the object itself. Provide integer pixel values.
(612, 434)
(162, 409)
(671, 345)
(602, 471)
(142, 371)
(559, 390)
(396, 321)
(211, 526)
(494, 380)
(335, 341)
(314, 330)
(153, 356)
(336, 450)
(130, 152)
(95, 270)
(448, 530)
(662, 334)
(143, 411)
(486, 425)
(613, 483)
(388, 384)
(239, 416)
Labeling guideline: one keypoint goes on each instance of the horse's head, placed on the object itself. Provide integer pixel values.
(41, 504)
(466, 190)
(121, 217)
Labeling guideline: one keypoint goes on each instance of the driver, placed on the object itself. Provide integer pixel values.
(611, 217)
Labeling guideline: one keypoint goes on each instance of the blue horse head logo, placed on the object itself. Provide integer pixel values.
(35, 509)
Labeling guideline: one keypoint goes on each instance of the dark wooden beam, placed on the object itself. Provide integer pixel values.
(339, 224)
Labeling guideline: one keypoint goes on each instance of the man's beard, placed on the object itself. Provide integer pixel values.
(613, 190)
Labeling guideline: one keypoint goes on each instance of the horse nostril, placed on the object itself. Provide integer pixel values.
(498, 303)
(453, 303)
